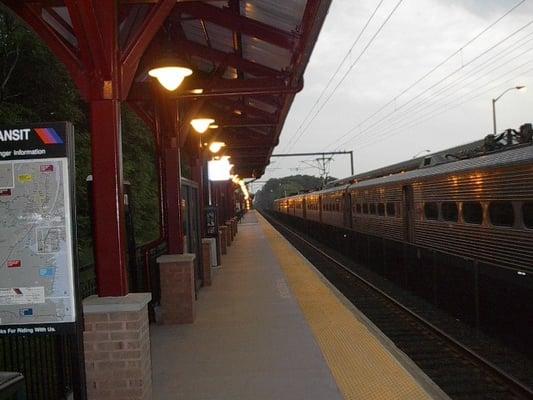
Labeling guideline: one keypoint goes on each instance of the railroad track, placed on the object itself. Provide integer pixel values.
(460, 372)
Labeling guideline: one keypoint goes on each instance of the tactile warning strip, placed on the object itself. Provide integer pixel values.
(362, 367)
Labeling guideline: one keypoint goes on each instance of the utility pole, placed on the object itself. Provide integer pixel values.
(323, 157)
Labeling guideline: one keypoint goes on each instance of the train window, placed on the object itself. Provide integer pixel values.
(358, 208)
(527, 214)
(473, 212)
(391, 209)
(501, 213)
(365, 208)
(431, 211)
(372, 208)
(449, 211)
(381, 209)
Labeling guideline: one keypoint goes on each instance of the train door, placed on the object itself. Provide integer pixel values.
(347, 209)
(320, 208)
(408, 213)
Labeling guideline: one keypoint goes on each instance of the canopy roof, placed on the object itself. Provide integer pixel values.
(248, 58)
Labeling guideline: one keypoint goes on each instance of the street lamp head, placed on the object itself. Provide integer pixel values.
(521, 88)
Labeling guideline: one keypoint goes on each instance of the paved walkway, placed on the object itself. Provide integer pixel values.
(250, 339)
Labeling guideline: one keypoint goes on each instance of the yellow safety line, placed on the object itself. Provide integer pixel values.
(361, 366)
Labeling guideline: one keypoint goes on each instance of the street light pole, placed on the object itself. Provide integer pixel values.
(498, 98)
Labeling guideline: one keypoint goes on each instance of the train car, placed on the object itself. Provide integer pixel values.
(333, 206)
(480, 207)
(313, 207)
(299, 206)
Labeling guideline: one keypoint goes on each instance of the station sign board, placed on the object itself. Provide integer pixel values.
(37, 229)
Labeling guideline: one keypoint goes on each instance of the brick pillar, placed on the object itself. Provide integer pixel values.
(223, 238)
(117, 347)
(206, 261)
(176, 273)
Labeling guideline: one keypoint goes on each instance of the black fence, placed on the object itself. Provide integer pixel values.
(493, 299)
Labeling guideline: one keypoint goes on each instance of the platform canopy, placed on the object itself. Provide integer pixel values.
(248, 58)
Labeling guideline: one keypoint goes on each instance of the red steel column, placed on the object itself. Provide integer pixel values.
(108, 199)
(174, 218)
(167, 122)
(100, 24)
(198, 177)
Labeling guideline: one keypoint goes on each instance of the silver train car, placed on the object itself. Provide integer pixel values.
(479, 207)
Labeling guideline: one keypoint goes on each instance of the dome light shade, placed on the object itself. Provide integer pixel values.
(216, 146)
(170, 77)
(201, 125)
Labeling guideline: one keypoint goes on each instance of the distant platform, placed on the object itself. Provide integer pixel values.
(270, 327)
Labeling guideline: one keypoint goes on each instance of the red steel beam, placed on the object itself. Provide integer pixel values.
(218, 87)
(217, 56)
(230, 105)
(247, 26)
(95, 37)
(138, 45)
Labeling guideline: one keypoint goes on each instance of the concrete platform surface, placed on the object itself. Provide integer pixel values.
(250, 339)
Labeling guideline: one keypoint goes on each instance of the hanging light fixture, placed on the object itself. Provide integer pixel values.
(169, 70)
(170, 76)
(201, 125)
(215, 147)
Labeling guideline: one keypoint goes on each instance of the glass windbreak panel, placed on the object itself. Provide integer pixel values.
(527, 214)
(431, 211)
(501, 213)
(381, 209)
(450, 212)
(372, 208)
(391, 209)
(472, 212)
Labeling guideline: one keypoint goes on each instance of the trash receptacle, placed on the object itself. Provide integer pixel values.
(12, 386)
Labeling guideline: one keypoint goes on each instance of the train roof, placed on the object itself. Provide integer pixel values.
(519, 155)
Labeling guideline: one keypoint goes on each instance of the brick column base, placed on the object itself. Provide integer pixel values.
(206, 261)
(223, 238)
(118, 364)
(176, 272)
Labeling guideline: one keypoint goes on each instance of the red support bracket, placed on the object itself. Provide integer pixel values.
(94, 36)
(137, 46)
(63, 51)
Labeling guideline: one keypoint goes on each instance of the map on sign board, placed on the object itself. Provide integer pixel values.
(36, 257)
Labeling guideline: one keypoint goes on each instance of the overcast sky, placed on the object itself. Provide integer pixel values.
(420, 35)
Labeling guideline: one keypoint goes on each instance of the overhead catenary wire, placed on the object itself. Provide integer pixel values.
(430, 72)
(361, 32)
(417, 107)
(371, 40)
(392, 123)
(485, 52)
(448, 106)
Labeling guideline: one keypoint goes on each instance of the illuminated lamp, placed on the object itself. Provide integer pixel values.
(170, 72)
(201, 125)
(215, 147)
(219, 170)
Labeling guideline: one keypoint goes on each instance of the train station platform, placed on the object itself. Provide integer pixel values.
(271, 327)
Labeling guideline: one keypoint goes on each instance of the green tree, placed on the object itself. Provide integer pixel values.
(35, 87)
